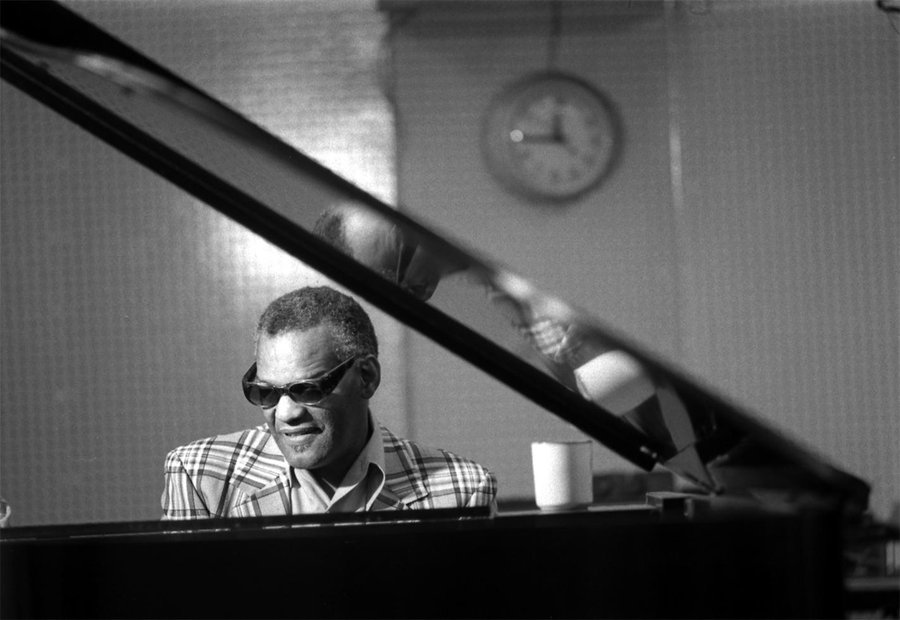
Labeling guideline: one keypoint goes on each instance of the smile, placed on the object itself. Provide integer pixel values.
(300, 433)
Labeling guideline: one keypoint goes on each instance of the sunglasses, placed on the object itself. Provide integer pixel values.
(307, 392)
(405, 253)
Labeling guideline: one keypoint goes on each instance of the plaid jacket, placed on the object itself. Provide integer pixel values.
(244, 474)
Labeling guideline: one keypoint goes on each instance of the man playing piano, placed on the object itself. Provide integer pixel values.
(321, 448)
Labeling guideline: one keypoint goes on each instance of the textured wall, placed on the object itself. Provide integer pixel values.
(128, 306)
(790, 225)
(767, 264)
(610, 251)
(750, 233)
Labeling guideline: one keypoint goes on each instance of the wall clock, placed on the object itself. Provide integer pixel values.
(551, 137)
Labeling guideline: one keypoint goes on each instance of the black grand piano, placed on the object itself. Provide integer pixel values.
(760, 528)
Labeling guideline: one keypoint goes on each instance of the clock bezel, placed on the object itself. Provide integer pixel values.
(496, 144)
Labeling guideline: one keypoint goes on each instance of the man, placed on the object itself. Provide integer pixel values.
(321, 449)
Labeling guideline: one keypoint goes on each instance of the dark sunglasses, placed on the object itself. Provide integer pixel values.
(404, 257)
(307, 392)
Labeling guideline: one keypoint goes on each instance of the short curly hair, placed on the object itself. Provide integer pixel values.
(330, 227)
(311, 306)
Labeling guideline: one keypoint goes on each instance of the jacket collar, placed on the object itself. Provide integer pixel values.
(400, 489)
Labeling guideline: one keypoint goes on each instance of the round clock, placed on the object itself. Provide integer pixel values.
(551, 137)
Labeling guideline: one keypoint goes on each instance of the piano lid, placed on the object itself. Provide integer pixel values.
(559, 356)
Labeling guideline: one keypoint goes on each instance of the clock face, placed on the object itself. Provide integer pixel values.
(551, 137)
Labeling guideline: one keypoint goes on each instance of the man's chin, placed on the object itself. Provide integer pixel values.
(304, 462)
(302, 455)
(422, 292)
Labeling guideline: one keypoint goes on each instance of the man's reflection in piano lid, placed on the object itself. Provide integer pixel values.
(575, 354)
(5, 513)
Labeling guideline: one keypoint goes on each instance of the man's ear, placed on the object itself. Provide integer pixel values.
(370, 375)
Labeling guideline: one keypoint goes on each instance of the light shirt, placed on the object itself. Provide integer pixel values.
(356, 492)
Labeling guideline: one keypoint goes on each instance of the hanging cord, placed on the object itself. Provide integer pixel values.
(555, 34)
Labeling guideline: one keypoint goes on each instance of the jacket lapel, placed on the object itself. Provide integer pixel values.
(274, 499)
(387, 500)
(403, 485)
(403, 481)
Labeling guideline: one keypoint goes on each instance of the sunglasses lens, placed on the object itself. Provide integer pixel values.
(303, 392)
(260, 395)
(306, 393)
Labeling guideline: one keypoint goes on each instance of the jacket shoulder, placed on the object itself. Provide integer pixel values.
(446, 478)
(242, 457)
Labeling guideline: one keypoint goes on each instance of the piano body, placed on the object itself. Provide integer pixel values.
(760, 532)
(635, 563)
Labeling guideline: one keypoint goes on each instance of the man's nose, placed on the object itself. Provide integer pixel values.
(288, 411)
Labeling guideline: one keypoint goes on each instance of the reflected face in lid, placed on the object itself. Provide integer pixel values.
(382, 246)
(373, 241)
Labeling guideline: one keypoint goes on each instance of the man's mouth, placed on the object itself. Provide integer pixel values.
(299, 433)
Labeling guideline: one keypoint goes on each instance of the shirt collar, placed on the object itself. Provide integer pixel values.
(371, 454)
(368, 469)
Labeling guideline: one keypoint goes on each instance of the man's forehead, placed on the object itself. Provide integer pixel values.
(318, 338)
(293, 355)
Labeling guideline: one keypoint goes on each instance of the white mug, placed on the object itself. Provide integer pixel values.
(563, 474)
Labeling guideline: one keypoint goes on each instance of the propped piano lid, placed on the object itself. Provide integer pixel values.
(569, 362)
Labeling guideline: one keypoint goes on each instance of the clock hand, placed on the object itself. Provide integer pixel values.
(558, 134)
(536, 138)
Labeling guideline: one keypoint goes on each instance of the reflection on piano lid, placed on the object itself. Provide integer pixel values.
(647, 411)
